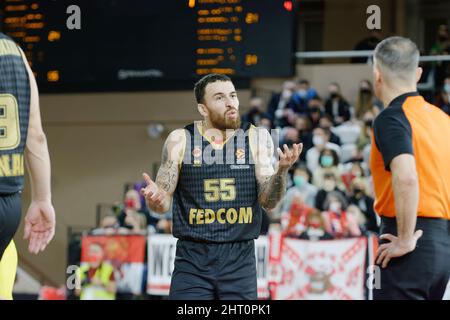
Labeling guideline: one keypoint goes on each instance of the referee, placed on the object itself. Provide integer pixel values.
(410, 163)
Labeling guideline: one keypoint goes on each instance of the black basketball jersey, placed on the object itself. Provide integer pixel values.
(14, 115)
(216, 199)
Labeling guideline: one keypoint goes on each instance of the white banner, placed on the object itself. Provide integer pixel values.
(317, 270)
(161, 254)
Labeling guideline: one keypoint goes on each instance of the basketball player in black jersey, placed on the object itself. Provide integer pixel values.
(217, 177)
(21, 140)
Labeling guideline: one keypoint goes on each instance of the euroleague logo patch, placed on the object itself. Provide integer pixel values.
(240, 154)
(197, 152)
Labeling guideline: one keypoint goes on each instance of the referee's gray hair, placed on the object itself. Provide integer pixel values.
(399, 57)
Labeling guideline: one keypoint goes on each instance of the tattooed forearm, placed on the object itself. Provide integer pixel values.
(272, 189)
(167, 176)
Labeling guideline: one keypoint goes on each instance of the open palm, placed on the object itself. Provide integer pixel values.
(39, 225)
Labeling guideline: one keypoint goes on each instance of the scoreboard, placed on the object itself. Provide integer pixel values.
(124, 45)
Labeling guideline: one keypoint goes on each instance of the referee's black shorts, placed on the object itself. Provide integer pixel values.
(10, 213)
(422, 274)
(207, 271)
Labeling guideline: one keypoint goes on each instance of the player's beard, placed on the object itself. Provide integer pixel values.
(222, 122)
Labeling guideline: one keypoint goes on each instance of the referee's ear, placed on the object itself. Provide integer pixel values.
(376, 74)
(418, 73)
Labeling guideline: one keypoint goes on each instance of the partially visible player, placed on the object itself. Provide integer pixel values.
(22, 140)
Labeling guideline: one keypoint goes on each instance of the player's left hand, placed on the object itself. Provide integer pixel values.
(39, 225)
(289, 156)
(396, 247)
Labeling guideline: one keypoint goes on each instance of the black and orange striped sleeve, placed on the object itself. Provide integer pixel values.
(393, 134)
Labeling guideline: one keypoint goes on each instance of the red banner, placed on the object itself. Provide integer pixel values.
(125, 252)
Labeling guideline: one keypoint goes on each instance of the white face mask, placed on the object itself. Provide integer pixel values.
(302, 93)
(318, 141)
(335, 207)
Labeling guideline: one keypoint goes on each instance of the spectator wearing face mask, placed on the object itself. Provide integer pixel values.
(326, 123)
(303, 94)
(360, 198)
(282, 105)
(315, 110)
(303, 126)
(289, 136)
(336, 106)
(256, 112)
(366, 100)
(356, 171)
(321, 141)
(443, 99)
(338, 222)
(364, 138)
(133, 206)
(315, 227)
(328, 164)
(301, 184)
(329, 185)
(293, 221)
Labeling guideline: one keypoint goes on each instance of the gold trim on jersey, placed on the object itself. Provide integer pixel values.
(251, 141)
(8, 47)
(180, 163)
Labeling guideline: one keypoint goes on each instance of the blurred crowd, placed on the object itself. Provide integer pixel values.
(329, 192)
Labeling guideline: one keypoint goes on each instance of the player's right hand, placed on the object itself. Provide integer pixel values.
(153, 195)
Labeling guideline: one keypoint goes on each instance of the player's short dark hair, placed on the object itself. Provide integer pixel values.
(199, 88)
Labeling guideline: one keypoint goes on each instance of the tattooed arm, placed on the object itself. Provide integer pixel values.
(159, 194)
(271, 183)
